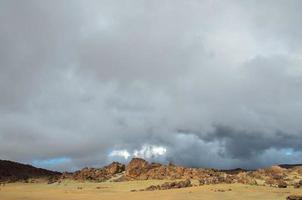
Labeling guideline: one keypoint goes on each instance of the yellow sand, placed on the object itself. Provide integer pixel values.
(119, 191)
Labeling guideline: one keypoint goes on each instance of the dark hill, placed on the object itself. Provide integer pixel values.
(289, 166)
(13, 171)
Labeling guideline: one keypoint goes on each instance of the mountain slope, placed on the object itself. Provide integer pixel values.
(13, 171)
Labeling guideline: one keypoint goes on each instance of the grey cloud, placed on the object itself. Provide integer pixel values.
(243, 144)
(215, 83)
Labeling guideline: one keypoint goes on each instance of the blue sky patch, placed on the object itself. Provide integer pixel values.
(50, 162)
(288, 151)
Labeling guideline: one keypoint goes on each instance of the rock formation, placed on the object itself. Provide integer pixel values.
(170, 185)
(294, 197)
(140, 169)
(96, 174)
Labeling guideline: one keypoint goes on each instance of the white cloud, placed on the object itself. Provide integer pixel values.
(150, 151)
(120, 153)
(146, 152)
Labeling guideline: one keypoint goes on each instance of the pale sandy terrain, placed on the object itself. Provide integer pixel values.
(109, 190)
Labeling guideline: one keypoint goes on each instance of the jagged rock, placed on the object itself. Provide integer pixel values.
(97, 174)
(136, 167)
(140, 169)
(152, 188)
(298, 185)
(115, 168)
(186, 183)
(170, 185)
(282, 184)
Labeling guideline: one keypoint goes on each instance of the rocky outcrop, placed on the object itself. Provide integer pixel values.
(282, 184)
(170, 185)
(294, 197)
(137, 168)
(140, 169)
(115, 168)
(298, 184)
(96, 174)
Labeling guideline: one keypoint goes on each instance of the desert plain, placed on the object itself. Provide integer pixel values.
(74, 190)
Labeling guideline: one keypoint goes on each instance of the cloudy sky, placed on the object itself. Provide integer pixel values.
(207, 83)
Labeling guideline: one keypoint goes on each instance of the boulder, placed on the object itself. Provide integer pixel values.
(170, 185)
(136, 167)
(97, 174)
(282, 184)
(185, 183)
(294, 197)
(115, 168)
(152, 188)
(298, 185)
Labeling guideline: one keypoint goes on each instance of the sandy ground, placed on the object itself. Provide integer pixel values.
(109, 190)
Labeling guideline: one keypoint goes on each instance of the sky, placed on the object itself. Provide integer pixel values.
(200, 83)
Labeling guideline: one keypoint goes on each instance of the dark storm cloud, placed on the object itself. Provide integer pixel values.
(199, 83)
(244, 144)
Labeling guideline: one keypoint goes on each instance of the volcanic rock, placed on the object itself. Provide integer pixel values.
(294, 197)
(97, 174)
(298, 185)
(136, 168)
(115, 168)
(282, 184)
(152, 188)
(170, 185)
(139, 169)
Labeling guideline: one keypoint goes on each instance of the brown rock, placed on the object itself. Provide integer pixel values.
(136, 167)
(115, 168)
(298, 185)
(170, 185)
(185, 183)
(294, 197)
(152, 188)
(282, 184)
(97, 174)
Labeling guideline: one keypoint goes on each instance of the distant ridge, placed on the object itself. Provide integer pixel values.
(14, 171)
(289, 166)
(234, 171)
